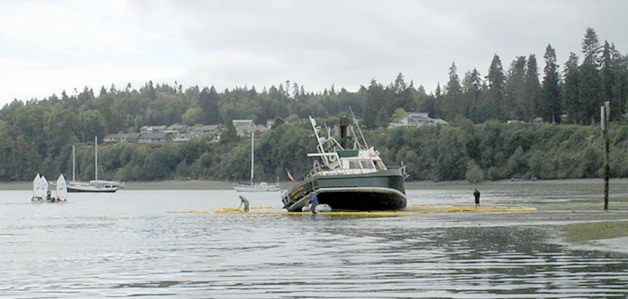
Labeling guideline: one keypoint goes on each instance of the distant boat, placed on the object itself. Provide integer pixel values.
(344, 178)
(40, 188)
(62, 189)
(95, 185)
(253, 187)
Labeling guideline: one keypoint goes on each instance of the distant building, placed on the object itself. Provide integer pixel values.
(152, 129)
(417, 119)
(153, 138)
(163, 134)
(244, 127)
(115, 138)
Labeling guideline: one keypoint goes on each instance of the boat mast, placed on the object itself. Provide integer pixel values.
(73, 162)
(355, 121)
(96, 157)
(252, 156)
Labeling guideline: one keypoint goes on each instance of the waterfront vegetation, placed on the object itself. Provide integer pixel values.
(489, 151)
(478, 145)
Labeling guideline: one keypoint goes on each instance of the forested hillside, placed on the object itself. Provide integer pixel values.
(37, 135)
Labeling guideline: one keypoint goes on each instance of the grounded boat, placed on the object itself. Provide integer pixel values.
(252, 187)
(95, 185)
(348, 179)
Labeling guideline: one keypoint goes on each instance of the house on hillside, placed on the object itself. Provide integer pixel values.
(159, 137)
(417, 119)
(244, 127)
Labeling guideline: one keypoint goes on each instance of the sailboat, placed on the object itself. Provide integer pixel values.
(94, 185)
(40, 188)
(252, 187)
(62, 189)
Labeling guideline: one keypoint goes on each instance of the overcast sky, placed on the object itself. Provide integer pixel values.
(50, 46)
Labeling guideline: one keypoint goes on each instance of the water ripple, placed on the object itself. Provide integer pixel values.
(135, 249)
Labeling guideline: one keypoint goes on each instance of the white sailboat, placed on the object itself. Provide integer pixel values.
(94, 185)
(252, 187)
(62, 189)
(40, 188)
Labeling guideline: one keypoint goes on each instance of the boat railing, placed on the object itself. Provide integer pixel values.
(331, 160)
(325, 172)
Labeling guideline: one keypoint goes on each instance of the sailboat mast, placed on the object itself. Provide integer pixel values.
(252, 155)
(73, 163)
(96, 157)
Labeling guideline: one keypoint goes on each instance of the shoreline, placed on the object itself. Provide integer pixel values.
(619, 184)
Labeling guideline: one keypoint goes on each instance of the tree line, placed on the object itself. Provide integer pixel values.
(37, 135)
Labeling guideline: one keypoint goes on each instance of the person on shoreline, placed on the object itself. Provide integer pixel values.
(476, 194)
(245, 202)
(313, 202)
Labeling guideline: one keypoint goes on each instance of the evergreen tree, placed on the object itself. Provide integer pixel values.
(590, 92)
(208, 102)
(495, 98)
(373, 104)
(402, 95)
(619, 102)
(514, 103)
(571, 99)
(532, 89)
(613, 76)
(549, 107)
(471, 87)
(452, 102)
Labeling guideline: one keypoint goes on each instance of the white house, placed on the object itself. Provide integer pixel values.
(417, 119)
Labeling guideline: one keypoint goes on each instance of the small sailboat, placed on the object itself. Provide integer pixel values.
(62, 189)
(40, 188)
(95, 185)
(252, 187)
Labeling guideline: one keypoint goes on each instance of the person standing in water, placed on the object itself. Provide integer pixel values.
(244, 202)
(476, 194)
(313, 202)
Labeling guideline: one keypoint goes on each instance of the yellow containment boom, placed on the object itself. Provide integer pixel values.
(410, 210)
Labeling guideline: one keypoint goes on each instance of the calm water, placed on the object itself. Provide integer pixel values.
(127, 245)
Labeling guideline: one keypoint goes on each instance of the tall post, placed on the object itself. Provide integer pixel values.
(252, 156)
(73, 163)
(604, 121)
(96, 158)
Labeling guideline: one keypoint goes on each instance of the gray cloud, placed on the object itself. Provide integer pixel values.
(314, 43)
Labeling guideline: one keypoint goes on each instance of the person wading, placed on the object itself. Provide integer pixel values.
(476, 194)
(244, 202)
(313, 202)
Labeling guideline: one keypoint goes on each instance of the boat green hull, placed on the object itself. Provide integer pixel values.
(378, 191)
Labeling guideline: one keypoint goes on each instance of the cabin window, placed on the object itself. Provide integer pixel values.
(354, 165)
(367, 164)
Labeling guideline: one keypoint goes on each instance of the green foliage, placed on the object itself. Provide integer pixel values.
(398, 115)
(192, 116)
(474, 173)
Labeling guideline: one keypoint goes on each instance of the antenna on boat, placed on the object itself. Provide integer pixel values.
(359, 130)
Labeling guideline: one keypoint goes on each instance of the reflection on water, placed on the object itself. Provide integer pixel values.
(127, 245)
